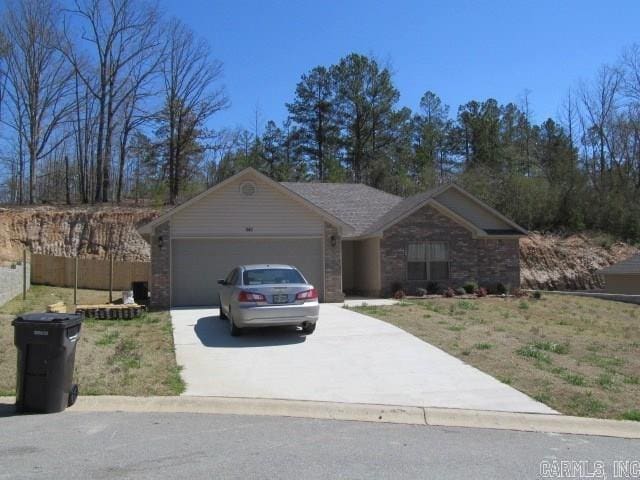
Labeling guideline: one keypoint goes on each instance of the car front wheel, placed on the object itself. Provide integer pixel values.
(223, 316)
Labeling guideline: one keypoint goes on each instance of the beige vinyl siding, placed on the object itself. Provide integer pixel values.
(366, 266)
(229, 213)
(468, 209)
(623, 284)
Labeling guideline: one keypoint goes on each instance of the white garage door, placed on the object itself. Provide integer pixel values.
(197, 264)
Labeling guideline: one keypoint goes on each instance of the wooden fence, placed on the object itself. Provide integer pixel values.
(92, 273)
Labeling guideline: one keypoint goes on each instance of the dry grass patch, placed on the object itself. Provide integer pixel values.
(113, 357)
(580, 356)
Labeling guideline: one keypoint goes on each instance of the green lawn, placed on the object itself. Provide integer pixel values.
(114, 357)
(580, 356)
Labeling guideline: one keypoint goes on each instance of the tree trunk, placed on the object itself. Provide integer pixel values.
(122, 159)
(66, 179)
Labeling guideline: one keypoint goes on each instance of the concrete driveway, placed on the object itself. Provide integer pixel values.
(350, 358)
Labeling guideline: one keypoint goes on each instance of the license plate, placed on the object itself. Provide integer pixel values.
(281, 298)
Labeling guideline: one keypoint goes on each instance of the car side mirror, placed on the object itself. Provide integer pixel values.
(222, 282)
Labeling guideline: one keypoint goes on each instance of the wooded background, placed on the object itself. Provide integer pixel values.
(108, 101)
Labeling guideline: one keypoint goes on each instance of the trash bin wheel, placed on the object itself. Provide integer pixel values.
(73, 394)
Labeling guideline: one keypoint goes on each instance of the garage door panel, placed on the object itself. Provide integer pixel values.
(197, 264)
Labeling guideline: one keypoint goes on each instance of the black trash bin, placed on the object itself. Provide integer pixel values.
(46, 355)
(140, 291)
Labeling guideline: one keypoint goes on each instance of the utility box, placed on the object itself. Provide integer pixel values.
(46, 345)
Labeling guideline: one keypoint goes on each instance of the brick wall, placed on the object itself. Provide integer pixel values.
(332, 265)
(160, 266)
(484, 261)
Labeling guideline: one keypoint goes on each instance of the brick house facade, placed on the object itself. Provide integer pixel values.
(343, 237)
(484, 261)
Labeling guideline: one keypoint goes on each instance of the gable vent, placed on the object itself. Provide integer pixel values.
(248, 188)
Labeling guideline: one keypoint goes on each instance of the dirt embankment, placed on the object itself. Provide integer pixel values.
(553, 262)
(69, 231)
(546, 261)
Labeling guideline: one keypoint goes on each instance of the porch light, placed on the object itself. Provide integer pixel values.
(333, 240)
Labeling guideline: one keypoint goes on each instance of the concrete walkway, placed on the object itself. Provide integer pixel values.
(351, 358)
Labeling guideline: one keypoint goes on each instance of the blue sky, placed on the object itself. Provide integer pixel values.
(460, 49)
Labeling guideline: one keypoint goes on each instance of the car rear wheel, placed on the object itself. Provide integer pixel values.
(234, 330)
(308, 328)
(223, 316)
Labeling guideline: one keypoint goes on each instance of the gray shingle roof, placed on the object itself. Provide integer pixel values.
(399, 209)
(355, 204)
(630, 266)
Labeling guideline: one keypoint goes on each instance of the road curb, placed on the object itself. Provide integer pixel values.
(408, 415)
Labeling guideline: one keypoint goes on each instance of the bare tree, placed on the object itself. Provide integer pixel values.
(568, 115)
(39, 78)
(123, 37)
(599, 107)
(192, 96)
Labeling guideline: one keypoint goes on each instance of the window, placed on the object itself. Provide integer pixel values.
(428, 261)
(271, 276)
(232, 278)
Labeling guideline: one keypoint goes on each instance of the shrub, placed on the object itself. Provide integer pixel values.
(531, 351)
(470, 287)
(481, 292)
(631, 415)
(501, 289)
(517, 292)
(433, 287)
(399, 294)
(460, 291)
(421, 292)
(449, 293)
(537, 294)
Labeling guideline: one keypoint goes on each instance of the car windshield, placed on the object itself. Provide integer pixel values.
(270, 276)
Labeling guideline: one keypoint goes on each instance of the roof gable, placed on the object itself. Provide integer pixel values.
(481, 219)
(247, 174)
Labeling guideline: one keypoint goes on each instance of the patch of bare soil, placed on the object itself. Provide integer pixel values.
(552, 262)
(69, 231)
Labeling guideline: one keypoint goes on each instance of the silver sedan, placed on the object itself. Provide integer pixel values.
(267, 295)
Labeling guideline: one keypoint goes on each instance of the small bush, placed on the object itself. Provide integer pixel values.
(470, 287)
(466, 305)
(537, 294)
(559, 348)
(421, 292)
(449, 293)
(399, 294)
(433, 288)
(460, 291)
(531, 351)
(519, 293)
(501, 289)
(481, 292)
(631, 415)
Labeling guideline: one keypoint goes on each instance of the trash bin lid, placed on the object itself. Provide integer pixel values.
(48, 318)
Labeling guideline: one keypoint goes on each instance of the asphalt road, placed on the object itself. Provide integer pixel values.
(134, 445)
